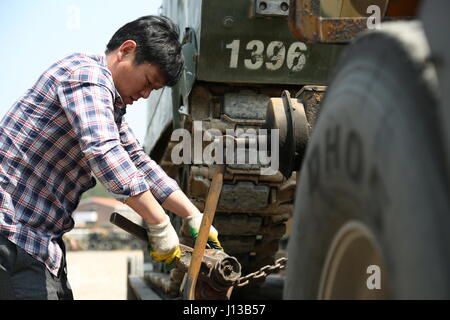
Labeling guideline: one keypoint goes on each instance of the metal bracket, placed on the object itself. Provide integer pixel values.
(272, 8)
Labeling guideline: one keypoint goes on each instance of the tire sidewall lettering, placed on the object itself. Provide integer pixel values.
(339, 152)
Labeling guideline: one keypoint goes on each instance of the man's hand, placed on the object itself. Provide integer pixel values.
(193, 226)
(164, 243)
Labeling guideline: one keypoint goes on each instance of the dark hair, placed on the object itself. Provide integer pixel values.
(157, 42)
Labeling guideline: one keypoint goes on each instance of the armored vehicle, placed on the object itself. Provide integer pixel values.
(368, 167)
(238, 56)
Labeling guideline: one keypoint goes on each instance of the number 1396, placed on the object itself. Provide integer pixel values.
(274, 58)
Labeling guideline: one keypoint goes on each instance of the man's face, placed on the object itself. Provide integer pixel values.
(135, 81)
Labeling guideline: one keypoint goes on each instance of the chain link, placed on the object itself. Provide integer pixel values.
(262, 273)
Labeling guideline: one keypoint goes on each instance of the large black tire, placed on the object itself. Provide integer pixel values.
(372, 189)
(436, 25)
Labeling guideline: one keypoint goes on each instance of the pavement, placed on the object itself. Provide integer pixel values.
(99, 275)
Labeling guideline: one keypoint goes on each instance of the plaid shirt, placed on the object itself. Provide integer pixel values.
(61, 133)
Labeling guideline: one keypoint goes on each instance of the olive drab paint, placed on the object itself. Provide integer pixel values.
(230, 43)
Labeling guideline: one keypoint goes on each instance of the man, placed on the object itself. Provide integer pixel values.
(65, 130)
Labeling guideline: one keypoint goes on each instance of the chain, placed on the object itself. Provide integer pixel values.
(262, 273)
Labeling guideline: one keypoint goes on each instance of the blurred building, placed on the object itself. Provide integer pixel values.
(93, 231)
(95, 212)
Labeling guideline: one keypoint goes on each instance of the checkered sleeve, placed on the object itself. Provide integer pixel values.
(87, 102)
(161, 185)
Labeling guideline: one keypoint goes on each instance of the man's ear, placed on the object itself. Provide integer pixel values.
(126, 48)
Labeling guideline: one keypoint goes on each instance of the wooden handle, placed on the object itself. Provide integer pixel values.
(202, 238)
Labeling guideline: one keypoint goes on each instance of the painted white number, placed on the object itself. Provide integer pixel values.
(296, 57)
(276, 59)
(256, 60)
(275, 55)
(234, 46)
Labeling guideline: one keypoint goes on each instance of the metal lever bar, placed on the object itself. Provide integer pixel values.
(130, 227)
(136, 230)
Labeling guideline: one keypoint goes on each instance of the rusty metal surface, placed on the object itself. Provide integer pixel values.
(350, 8)
(340, 30)
(217, 270)
(311, 98)
(261, 274)
(307, 21)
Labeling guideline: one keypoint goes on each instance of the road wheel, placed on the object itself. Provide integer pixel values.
(372, 211)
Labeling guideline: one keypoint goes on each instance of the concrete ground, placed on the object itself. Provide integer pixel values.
(99, 275)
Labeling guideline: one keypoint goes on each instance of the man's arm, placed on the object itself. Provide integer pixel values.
(163, 239)
(165, 188)
(147, 207)
(180, 204)
(161, 185)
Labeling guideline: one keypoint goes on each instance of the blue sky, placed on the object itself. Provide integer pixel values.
(36, 33)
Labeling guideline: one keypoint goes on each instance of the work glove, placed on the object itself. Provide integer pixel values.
(163, 243)
(193, 226)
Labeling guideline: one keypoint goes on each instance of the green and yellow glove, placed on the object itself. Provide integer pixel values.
(193, 226)
(163, 243)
